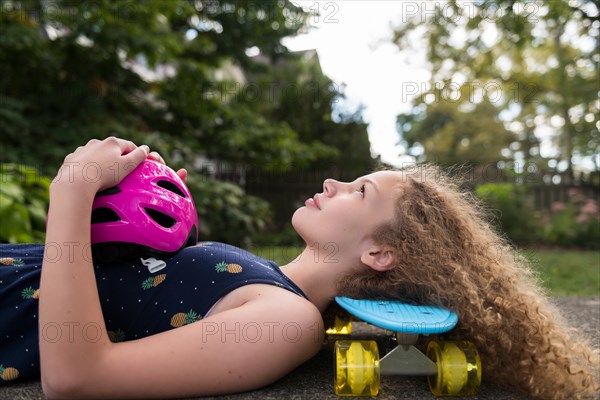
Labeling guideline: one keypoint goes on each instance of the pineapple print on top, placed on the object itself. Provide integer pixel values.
(153, 281)
(231, 268)
(181, 319)
(8, 373)
(30, 293)
(15, 262)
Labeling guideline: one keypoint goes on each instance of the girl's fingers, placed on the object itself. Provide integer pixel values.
(156, 157)
(182, 173)
(136, 156)
(126, 146)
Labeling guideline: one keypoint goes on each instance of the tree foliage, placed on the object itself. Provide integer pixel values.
(304, 99)
(70, 71)
(450, 135)
(172, 74)
(23, 204)
(536, 61)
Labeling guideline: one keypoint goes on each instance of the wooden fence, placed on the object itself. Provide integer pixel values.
(543, 196)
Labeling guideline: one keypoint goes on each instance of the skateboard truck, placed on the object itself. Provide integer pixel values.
(406, 359)
(452, 368)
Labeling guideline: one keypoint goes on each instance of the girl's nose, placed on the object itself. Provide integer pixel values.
(330, 186)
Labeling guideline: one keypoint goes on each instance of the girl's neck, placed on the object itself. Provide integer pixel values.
(317, 273)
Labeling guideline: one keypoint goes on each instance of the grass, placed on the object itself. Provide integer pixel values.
(562, 272)
(568, 272)
(280, 254)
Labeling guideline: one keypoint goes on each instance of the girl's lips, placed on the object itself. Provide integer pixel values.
(316, 200)
(313, 202)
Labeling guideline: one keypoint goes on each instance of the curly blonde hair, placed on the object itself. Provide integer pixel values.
(449, 255)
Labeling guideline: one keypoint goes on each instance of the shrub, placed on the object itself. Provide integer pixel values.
(286, 236)
(24, 203)
(573, 223)
(513, 214)
(226, 213)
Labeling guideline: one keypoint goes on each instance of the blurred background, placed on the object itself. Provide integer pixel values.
(261, 101)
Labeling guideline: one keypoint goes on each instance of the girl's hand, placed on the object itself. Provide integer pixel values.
(100, 164)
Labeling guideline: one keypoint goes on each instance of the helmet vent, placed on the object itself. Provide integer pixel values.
(109, 191)
(160, 218)
(170, 186)
(104, 214)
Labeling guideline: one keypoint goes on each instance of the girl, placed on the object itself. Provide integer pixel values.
(391, 234)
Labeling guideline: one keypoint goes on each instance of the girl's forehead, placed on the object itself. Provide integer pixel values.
(390, 173)
(390, 177)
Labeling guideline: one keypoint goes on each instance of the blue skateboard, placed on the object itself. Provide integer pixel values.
(452, 368)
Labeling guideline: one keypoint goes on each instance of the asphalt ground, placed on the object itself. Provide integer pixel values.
(314, 379)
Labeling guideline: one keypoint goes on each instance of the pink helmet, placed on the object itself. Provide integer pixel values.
(151, 211)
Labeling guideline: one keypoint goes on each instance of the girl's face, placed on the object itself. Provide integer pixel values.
(345, 214)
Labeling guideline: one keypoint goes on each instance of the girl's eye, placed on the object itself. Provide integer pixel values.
(362, 190)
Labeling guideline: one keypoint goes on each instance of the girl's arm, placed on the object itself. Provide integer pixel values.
(236, 350)
(72, 333)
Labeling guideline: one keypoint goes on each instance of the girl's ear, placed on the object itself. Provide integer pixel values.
(380, 258)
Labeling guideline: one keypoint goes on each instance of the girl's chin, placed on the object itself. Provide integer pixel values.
(298, 229)
(296, 217)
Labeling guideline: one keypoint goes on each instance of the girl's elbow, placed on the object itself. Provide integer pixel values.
(62, 386)
(52, 388)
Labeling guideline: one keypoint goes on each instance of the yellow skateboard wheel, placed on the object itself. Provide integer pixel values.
(356, 368)
(340, 327)
(459, 368)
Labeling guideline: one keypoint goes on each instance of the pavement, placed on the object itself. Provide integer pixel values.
(313, 380)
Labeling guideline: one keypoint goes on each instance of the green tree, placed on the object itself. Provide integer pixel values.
(170, 74)
(304, 98)
(70, 71)
(449, 135)
(542, 56)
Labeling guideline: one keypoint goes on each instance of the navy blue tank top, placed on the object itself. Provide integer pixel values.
(138, 298)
